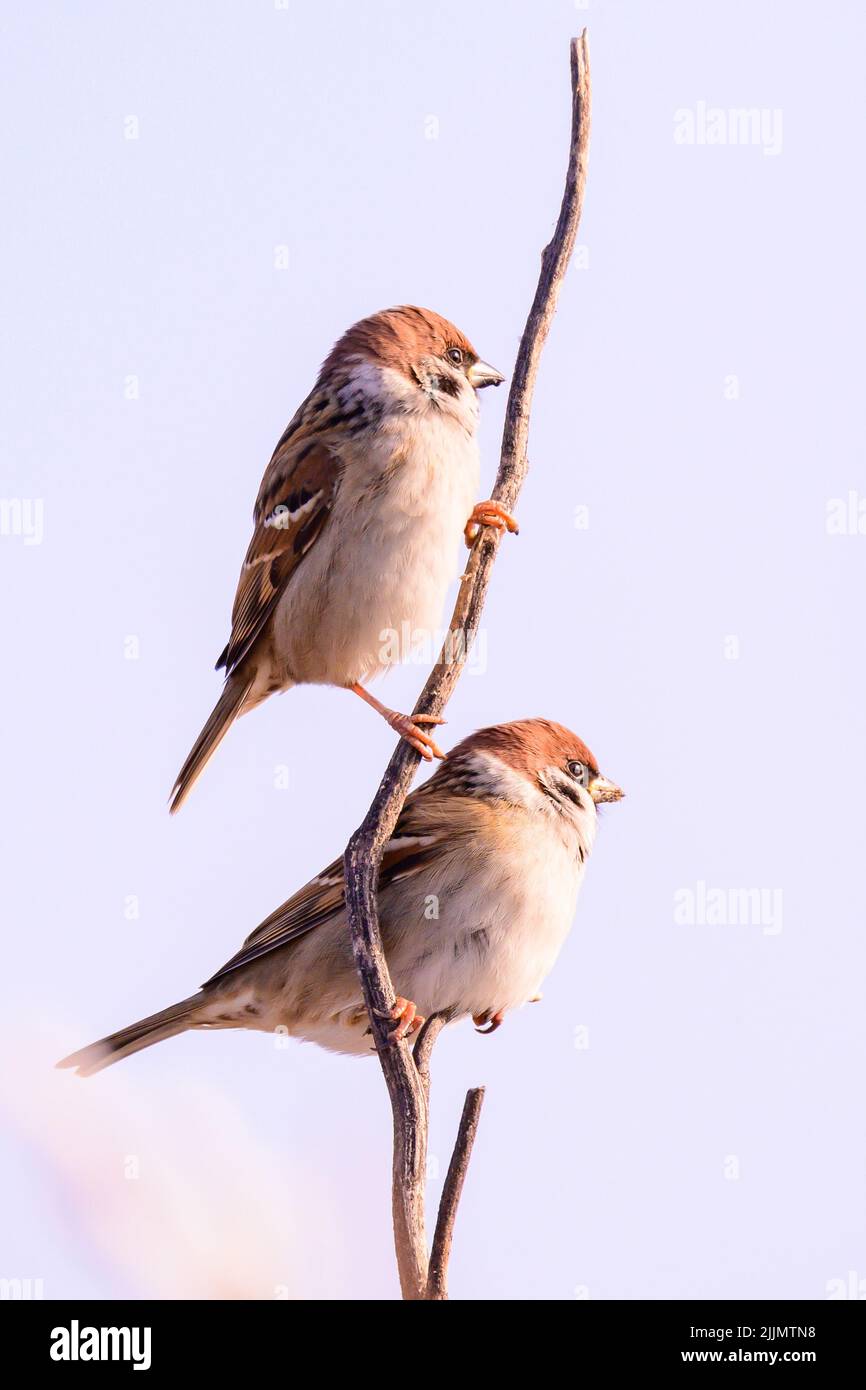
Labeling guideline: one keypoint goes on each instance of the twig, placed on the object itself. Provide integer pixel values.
(427, 1036)
(451, 1192)
(407, 1089)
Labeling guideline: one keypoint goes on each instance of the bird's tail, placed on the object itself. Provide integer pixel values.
(224, 713)
(145, 1033)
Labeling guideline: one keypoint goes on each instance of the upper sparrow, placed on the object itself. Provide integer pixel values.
(357, 522)
(477, 891)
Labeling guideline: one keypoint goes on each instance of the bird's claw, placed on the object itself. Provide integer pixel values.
(493, 1020)
(407, 726)
(488, 514)
(407, 1018)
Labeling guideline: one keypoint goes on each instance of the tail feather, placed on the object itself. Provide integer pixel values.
(225, 712)
(165, 1024)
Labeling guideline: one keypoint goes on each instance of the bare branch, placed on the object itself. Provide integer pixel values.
(407, 1090)
(451, 1193)
(424, 1046)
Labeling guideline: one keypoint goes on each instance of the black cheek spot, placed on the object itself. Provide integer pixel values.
(572, 793)
(447, 386)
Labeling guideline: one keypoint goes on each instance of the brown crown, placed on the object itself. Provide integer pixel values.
(397, 338)
(528, 745)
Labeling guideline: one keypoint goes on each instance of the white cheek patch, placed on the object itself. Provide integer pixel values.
(395, 392)
(493, 777)
(368, 382)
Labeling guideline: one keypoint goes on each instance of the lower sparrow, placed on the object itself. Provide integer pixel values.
(477, 892)
(358, 522)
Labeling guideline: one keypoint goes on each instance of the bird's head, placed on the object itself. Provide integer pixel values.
(532, 763)
(420, 360)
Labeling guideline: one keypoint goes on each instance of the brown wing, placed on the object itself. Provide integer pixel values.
(292, 509)
(413, 845)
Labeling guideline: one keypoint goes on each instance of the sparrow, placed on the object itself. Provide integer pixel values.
(477, 891)
(357, 522)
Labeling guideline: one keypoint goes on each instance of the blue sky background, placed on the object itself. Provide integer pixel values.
(700, 396)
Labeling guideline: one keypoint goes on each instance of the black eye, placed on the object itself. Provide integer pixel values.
(455, 355)
(579, 772)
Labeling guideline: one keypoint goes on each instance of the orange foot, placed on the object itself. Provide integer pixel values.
(408, 726)
(488, 514)
(407, 1018)
(493, 1020)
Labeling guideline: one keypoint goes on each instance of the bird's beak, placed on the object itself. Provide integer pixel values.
(482, 374)
(600, 789)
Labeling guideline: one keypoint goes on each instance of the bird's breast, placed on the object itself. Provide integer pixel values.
(499, 917)
(373, 587)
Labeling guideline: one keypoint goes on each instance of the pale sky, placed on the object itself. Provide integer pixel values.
(199, 199)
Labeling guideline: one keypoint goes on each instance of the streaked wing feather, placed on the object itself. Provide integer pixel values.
(318, 901)
(412, 847)
(292, 509)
